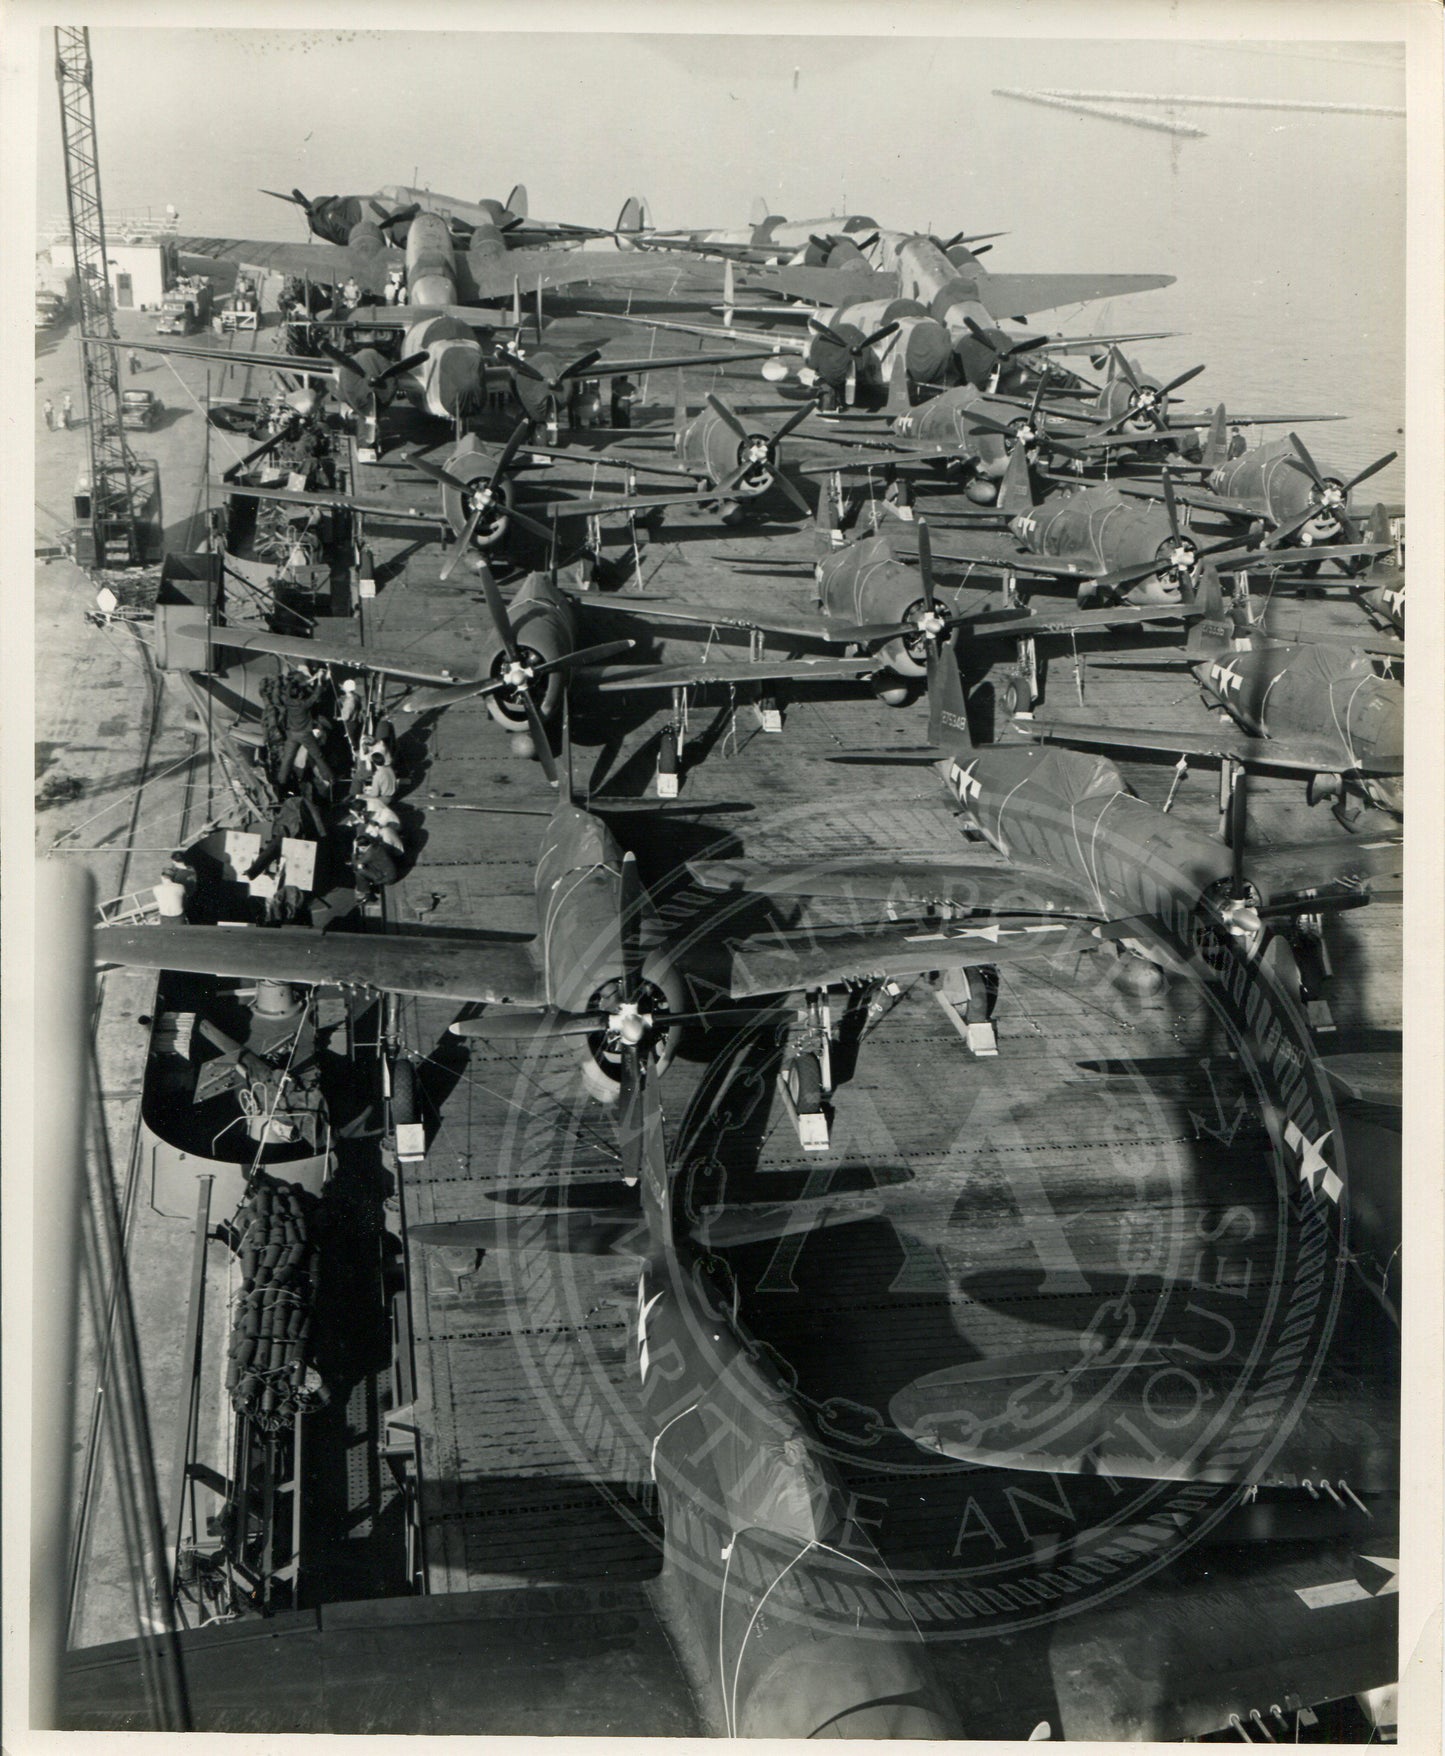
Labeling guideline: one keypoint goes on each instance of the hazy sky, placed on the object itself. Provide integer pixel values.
(1286, 231)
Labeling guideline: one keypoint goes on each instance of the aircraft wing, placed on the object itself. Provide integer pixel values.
(979, 1413)
(1377, 645)
(415, 667)
(1298, 754)
(790, 625)
(1075, 621)
(327, 263)
(714, 331)
(1369, 1077)
(301, 364)
(908, 886)
(565, 268)
(1021, 295)
(491, 971)
(319, 497)
(613, 679)
(521, 1656)
(785, 962)
(828, 286)
(1003, 295)
(1293, 868)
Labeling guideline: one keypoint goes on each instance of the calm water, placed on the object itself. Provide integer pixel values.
(1286, 232)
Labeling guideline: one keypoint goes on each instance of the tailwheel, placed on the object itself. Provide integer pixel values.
(805, 1084)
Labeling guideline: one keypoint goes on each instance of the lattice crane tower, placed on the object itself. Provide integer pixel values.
(113, 514)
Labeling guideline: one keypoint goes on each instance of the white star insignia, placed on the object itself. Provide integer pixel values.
(965, 782)
(1312, 1160)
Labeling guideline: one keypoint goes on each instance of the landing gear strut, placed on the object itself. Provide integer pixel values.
(805, 1082)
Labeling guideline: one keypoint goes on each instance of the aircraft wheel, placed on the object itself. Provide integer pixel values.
(805, 1084)
(403, 1094)
(893, 691)
(1137, 976)
(1013, 697)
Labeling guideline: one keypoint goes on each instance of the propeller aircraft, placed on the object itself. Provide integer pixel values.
(1114, 546)
(1318, 709)
(549, 630)
(950, 281)
(1282, 494)
(734, 461)
(1088, 844)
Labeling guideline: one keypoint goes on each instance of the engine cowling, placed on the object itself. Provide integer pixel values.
(542, 636)
(663, 990)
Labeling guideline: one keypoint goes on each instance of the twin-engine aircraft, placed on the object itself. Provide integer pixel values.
(335, 219)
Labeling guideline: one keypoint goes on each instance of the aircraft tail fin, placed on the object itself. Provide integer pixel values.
(1016, 490)
(1212, 625)
(948, 728)
(898, 402)
(517, 201)
(1216, 447)
(632, 218)
(759, 211)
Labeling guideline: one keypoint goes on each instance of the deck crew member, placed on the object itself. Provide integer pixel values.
(298, 713)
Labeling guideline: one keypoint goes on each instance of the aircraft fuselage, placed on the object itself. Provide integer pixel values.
(1269, 479)
(1328, 692)
(1104, 530)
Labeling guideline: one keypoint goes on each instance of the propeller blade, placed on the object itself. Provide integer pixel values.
(1373, 469)
(822, 329)
(1238, 826)
(345, 361)
(509, 451)
(409, 364)
(540, 740)
(726, 488)
(877, 336)
(629, 907)
(925, 564)
(504, 1026)
(464, 542)
(794, 420)
(1311, 469)
(790, 492)
(295, 196)
(578, 367)
(1026, 346)
(437, 473)
(726, 415)
(1124, 370)
(1282, 533)
(1171, 505)
(527, 523)
(524, 367)
(586, 655)
(1183, 378)
(500, 619)
(986, 424)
